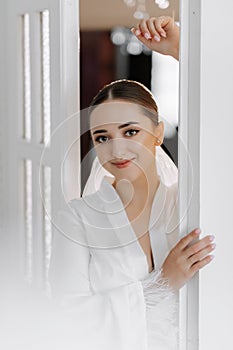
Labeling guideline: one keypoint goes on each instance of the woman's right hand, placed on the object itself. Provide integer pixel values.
(186, 258)
(160, 34)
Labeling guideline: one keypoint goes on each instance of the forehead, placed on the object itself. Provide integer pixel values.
(118, 112)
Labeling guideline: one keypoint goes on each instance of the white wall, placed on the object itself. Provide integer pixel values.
(216, 172)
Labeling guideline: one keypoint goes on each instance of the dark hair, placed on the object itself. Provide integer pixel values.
(130, 91)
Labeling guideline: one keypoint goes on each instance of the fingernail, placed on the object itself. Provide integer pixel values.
(211, 257)
(163, 34)
(137, 32)
(211, 238)
(213, 245)
(157, 38)
(147, 36)
(198, 230)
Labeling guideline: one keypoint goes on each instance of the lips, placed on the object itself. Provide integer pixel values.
(122, 164)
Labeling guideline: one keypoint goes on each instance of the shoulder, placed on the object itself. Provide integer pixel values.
(89, 211)
(172, 208)
(171, 196)
(172, 190)
(86, 205)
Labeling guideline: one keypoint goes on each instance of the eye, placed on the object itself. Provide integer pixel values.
(101, 139)
(131, 132)
(128, 133)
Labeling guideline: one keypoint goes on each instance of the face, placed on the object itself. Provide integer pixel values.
(124, 139)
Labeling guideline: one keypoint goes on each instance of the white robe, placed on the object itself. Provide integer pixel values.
(99, 272)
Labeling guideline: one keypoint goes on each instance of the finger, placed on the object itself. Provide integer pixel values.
(144, 29)
(153, 32)
(186, 240)
(200, 264)
(160, 23)
(140, 37)
(196, 247)
(201, 254)
(136, 31)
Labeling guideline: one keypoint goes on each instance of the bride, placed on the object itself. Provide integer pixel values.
(117, 262)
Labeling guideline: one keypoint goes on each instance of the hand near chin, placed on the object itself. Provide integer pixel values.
(186, 258)
(160, 34)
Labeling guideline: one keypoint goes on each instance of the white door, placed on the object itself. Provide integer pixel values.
(206, 126)
(39, 89)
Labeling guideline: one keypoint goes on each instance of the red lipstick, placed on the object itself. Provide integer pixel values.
(122, 164)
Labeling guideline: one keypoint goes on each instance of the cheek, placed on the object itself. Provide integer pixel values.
(144, 149)
(102, 153)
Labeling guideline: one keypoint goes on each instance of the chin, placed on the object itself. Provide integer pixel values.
(130, 173)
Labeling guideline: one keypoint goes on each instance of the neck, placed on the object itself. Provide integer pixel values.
(137, 192)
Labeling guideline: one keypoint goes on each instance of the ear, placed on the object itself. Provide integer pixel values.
(159, 134)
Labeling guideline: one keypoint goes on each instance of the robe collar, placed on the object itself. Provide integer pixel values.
(114, 208)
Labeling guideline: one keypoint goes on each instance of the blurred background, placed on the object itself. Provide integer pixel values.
(109, 51)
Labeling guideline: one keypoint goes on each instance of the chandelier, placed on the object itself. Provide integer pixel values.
(128, 43)
(140, 12)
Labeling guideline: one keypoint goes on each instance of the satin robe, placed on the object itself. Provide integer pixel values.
(98, 268)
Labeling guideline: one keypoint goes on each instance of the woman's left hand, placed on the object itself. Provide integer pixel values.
(186, 258)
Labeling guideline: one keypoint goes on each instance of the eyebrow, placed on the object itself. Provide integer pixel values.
(119, 127)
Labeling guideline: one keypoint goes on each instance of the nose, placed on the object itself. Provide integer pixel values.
(119, 149)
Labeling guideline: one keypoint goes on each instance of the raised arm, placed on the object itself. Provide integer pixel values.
(160, 34)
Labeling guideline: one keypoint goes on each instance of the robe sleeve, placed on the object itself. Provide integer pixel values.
(161, 305)
(109, 320)
(117, 318)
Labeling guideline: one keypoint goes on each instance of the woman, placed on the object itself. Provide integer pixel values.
(117, 266)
